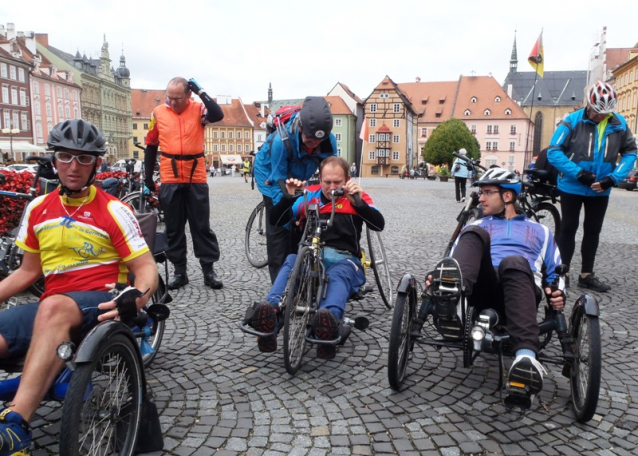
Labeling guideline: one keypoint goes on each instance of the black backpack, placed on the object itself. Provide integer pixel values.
(543, 163)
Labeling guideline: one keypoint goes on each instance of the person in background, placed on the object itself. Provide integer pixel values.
(177, 128)
(246, 169)
(353, 170)
(593, 150)
(461, 173)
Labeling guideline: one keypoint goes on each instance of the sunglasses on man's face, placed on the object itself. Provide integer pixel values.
(84, 159)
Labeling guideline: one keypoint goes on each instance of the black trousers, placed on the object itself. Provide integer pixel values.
(459, 187)
(509, 289)
(280, 242)
(595, 209)
(182, 203)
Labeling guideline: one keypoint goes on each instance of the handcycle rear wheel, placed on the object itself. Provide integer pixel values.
(547, 214)
(298, 307)
(255, 243)
(379, 264)
(586, 368)
(102, 409)
(401, 343)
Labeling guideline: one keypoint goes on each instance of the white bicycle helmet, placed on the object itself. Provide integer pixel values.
(601, 97)
(501, 177)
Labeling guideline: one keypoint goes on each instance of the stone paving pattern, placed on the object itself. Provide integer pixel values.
(218, 395)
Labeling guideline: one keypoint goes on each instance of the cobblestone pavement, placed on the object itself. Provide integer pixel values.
(217, 394)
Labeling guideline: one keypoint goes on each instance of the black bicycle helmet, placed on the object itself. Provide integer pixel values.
(501, 177)
(77, 134)
(316, 118)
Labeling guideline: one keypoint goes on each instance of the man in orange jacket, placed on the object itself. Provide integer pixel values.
(177, 129)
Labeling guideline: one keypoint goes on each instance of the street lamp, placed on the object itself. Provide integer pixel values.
(10, 132)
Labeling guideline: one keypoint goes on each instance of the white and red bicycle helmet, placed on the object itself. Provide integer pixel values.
(601, 97)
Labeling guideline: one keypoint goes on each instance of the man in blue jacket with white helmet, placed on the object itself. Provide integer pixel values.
(593, 150)
(294, 150)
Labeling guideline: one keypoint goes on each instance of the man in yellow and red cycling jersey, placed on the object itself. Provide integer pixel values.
(177, 128)
(83, 240)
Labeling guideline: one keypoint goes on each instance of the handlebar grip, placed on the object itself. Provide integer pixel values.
(337, 192)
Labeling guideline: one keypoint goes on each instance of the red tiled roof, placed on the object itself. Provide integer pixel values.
(618, 56)
(384, 129)
(426, 99)
(234, 115)
(486, 89)
(143, 101)
(338, 106)
(254, 113)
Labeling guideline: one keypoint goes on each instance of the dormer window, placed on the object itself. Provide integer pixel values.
(497, 100)
(508, 112)
(467, 112)
(487, 112)
(473, 100)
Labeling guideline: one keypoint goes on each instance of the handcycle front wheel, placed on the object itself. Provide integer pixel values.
(255, 239)
(401, 343)
(586, 368)
(380, 267)
(102, 409)
(133, 200)
(298, 308)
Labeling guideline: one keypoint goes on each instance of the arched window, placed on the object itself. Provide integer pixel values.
(467, 112)
(473, 100)
(508, 112)
(487, 112)
(497, 99)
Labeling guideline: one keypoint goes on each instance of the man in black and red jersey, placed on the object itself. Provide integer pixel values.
(341, 251)
(84, 241)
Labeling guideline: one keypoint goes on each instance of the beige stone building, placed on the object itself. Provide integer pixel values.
(626, 83)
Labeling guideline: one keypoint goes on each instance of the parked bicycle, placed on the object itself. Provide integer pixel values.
(538, 200)
(10, 254)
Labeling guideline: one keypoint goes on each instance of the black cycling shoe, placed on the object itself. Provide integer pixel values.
(263, 318)
(211, 280)
(592, 282)
(325, 327)
(178, 281)
(446, 291)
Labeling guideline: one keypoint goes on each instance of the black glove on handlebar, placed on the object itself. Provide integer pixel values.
(606, 182)
(124, 297)
(586, 177)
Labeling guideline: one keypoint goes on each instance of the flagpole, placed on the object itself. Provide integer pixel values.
(536, 59)
(531, 110)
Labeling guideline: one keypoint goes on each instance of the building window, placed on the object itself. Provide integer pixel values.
(396, 139)
(59, 93)
(373, 107)
(396, 123)
(395, 170)
(512, 129)
(135, 141)
(215, 134)
(508, 112)
(371, 155)
(467, 112)
(5, 94)
(424, 132)
(396, 108)
(338, 136)
(47, 90)
(214, 147)
(495, 145)
(48, 109)
(338, 152)
(512, 146)
(12, 72)
(37, 108)
(473, 129)
(374, 170)
(511, 160)
(230, 135)
(230, 148)
(259, 137)
(487, 112)
(223, 135)
(371, 138)
(14, 96)
(488, 145)
(395, 155)
(473, 100)
(373, 122)
(134, 125)
(496, 129)
(239, 148)
(338, 122)
(384, 95)
(7, 119)
(490, 162)
(497, 99)
(67, 112)
(223, 147)
(3, 70)
(36, 88)
(145, 126)
(489, 129)
(24, 122)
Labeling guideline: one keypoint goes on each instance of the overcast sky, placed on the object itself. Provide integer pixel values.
(237, 47)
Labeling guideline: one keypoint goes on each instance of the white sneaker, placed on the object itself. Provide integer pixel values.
(527, 372)
(463, 199)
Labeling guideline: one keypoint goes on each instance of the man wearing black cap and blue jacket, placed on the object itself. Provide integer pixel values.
(294, 150)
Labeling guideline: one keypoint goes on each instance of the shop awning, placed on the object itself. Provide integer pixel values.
(230, 159)
(19, 146)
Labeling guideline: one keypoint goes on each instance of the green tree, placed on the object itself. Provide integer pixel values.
(449, 137)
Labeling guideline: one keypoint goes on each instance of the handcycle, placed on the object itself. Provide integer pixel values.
(305, 288)
(579, 337)
(10, 254)
(105, 403)
(376, 259)
(142, 200)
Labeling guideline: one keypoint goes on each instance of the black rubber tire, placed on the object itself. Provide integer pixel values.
(37, 288)
(156, 328)
(91, 417)
(400, 339)
(379, 264)
(298, 309)
(586, 370)
(255, 242)
(132, 199)
(547, 214)
(468, 343)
